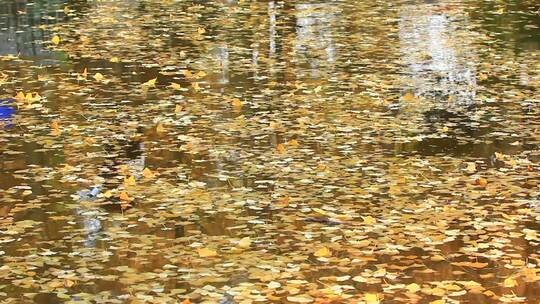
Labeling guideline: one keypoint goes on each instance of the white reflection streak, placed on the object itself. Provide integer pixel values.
(437, 59)
(314, 32)
(272, 27)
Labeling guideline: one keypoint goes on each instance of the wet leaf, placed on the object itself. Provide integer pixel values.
(323, 252)
(206, 253)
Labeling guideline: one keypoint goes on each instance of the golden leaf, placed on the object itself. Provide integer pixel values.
(150, 83)
(98, 77)
(55, 126)
(471, 167)
(236, 103)
(369, 220)
(293, 143)
(323, 252)
(206, 253)
(124, 196)
(160, 128)
(371, 298)
(280, 148)
(130, 181)
(114, 59)
(68, 283)
(300, 299)
(123, 169)
(175, 86)
(55, 39)
(413, 287)
(480, 182)
(178, 108)
(148, 173)
(408, 97)
(20, 96)
(509, 283)
(244, 242)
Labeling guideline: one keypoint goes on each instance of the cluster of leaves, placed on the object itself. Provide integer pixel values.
(266, 151)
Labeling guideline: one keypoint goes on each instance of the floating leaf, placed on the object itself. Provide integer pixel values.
(175, 86)
(510, 282)
(150, 83)
(244, 242)
(99, 77)
(206, 253)
(371, 298)
(124, 196)
(147, 173)
(55, 39)
(323, 252)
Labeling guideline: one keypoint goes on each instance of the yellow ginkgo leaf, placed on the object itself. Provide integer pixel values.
(160, 128)
(206, 253)
(20, 96)
(150, 83)
(148, 173)
(280, 148)
(130, 181)
(175, 86)
(236, 103)
(244, 242)
(293, 143)
(200, 74)
(178, 108)
(413, 287)
(114, 59)
(323, 252)
(371, 298)
(124, 196)
(201, 30)
(98, 77)
(55, 130)
(510, 282)
(408, 97)
(55, 39)
(369, 220)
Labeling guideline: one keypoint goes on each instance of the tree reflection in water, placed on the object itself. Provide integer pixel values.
(440, 64)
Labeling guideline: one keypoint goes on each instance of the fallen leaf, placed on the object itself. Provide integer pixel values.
(206, 253)
(413, 287)
(509, 283)
(150, 83)
(99, 77)
(371, 298)
(323, 252)
(175, 86)
(408, 97)
(124, 196)
(244, 242)
(148, 173)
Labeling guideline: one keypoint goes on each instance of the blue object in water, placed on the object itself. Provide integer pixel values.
(6, 113)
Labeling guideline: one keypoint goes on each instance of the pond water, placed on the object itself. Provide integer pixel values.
(269, 151)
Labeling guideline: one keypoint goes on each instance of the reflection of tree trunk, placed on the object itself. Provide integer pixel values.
(440, 65)
(288, 34)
